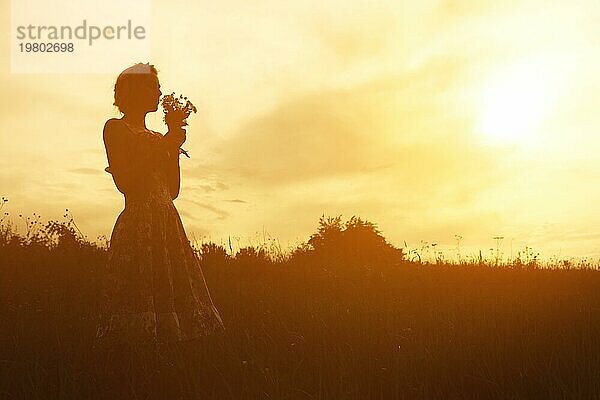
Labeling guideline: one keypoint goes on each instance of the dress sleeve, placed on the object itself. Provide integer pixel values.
(128, 151)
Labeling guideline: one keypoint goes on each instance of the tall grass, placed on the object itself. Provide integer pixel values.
(343, 316)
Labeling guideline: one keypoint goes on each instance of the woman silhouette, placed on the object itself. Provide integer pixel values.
(155, 292)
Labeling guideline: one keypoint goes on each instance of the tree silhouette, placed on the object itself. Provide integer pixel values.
(355, 243)
(330, 232)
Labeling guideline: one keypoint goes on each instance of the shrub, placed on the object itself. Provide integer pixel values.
(354, 243)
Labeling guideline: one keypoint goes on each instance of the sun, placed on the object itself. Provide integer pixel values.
(515, 103)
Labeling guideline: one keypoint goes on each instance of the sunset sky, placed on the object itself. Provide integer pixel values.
(429, 118)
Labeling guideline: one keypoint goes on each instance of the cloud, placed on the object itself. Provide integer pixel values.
(188, 215)
(465, 9)
(221, 214)
(395, 130)
(205, 187)
(87, 171)
(356, 37)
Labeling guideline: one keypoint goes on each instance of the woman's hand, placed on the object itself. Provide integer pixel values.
(176, 118)
(177, 135)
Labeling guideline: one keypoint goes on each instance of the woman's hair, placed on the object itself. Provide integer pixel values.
(129, 81)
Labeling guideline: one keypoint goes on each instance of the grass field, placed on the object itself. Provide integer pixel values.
(344, 318)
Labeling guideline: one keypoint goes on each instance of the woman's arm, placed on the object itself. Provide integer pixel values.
(117, 144)
(173, 173)
(172, 163)
(121, 144)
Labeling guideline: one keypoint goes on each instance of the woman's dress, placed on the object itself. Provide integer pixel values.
(155, 291)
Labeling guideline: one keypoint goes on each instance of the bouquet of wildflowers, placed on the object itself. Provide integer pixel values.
(177, 110)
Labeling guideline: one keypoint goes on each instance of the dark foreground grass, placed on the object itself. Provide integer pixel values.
(309, 327)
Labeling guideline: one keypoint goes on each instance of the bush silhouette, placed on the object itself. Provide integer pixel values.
(212, 254)
(354, 243)
(252, 255)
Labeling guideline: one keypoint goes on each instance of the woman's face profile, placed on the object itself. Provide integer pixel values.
(153, 93)
(148, 94)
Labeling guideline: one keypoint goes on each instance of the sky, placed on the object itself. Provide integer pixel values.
(447, 122)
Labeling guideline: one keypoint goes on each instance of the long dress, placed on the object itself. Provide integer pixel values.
(154, 291)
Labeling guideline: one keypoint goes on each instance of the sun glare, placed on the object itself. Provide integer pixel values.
(515, 102)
